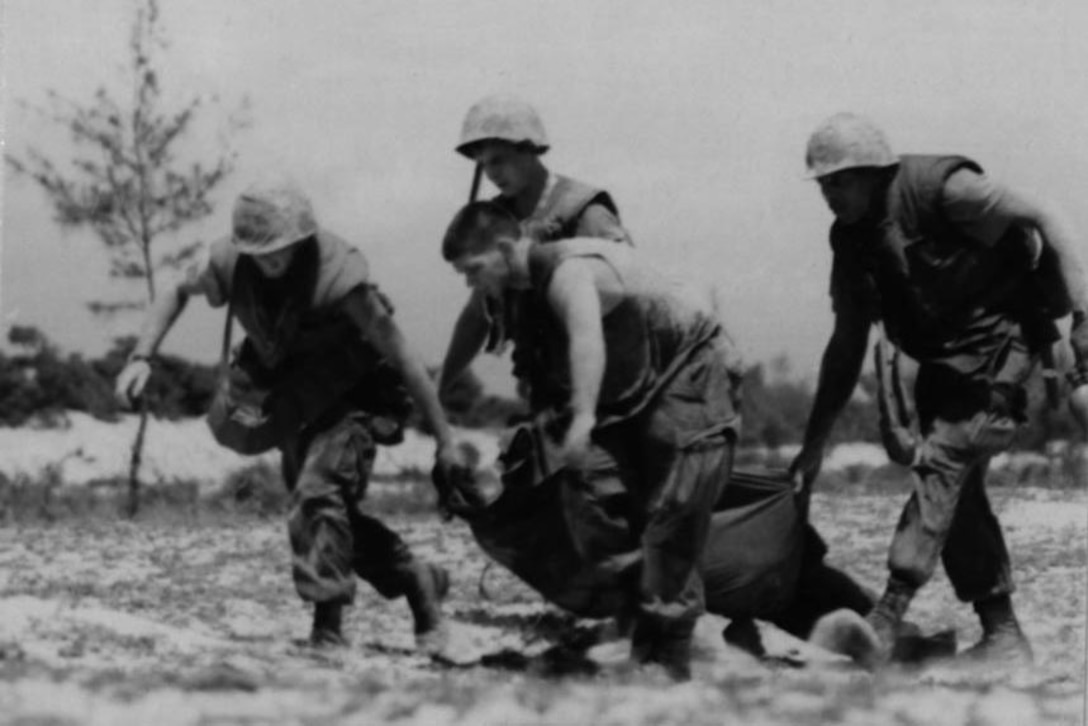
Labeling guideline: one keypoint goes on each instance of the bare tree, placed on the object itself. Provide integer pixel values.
(125, 180)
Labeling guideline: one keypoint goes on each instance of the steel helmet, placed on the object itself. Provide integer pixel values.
(502, 117)
(847, 141)
(269, 215)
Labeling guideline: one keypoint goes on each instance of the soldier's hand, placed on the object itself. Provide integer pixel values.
(131, 382)
(449, 456)
(1078, 377)
(805, 468)
(574, 452)
(1078, 341)
(1078, 406)
(455, 481)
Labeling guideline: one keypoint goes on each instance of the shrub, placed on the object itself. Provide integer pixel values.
(257, 489)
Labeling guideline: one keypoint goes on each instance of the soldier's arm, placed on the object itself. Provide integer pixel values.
(1058, 234)
(840, 369)
(374, 322)
(597, 220)
(160, 318)
(466, 342)
(574, 297)
(984, 209)
(572, 294)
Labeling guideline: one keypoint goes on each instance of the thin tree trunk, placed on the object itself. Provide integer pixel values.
(136, 461)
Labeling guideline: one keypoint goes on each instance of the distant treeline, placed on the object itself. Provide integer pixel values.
(38, 384)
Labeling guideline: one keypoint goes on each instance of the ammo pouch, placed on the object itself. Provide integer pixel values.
(239, 416)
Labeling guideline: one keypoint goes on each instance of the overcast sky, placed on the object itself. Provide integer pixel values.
(693, 114)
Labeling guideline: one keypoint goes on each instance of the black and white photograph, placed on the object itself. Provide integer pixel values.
(544, 363)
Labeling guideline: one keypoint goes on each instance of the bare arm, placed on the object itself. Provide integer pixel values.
(381, 330)
(839, 372)
(598, 220)
(985, 209)
(161, 316)
(468, 338)
(573, 295)
(1058, 234)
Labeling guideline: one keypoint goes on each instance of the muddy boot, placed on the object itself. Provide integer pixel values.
(743, 633)
(674, 654)
(426, 587)
(886, 619)
(666, 643)
(1002, 642)
(326, 631)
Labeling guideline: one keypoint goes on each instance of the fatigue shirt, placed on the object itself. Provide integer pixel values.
(953, 292)
(304, 332)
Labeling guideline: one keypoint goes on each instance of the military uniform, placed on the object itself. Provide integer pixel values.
(567, 208)
(666, 417)
(947, 271)
(334, 400)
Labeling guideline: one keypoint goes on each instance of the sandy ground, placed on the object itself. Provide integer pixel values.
(197, 623)
(193, 619)
(87, 450)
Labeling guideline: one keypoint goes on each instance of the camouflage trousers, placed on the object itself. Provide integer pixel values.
(948, 516)
(333, 539)
(673, 459)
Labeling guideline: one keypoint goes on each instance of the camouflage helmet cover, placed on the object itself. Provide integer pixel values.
(270, 215)
(847, 141)
(502, 117)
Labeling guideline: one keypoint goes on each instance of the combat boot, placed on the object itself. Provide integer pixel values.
(886, 620)
(1002, 642)
(327, 629)
(426, 586)
(743, 633)
(666, 643)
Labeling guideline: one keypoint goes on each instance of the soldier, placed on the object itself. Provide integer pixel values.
(322, 340)
(967, 277)
(504, 136)
(630, 370)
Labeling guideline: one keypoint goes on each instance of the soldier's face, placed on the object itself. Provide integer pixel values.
(274, 264)
(508, 167)
(849, 193)
(486, 271)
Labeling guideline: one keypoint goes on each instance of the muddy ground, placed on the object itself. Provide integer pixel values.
(193, 620)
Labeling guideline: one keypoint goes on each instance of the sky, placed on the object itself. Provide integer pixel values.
(693, 115)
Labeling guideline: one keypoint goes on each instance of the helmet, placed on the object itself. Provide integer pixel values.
(847, 141)
(270, 215)
(502, 117)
